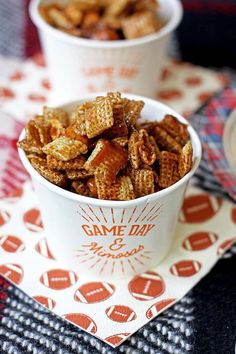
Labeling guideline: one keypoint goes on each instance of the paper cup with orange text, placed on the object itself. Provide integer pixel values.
(80, 66)
(105, 238)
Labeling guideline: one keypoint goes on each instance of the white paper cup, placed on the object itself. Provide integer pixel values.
(112, 238)
(79, 66)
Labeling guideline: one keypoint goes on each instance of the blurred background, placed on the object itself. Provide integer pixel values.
(206, 36)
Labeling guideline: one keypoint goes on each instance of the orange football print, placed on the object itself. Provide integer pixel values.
(120, 313)
(32, 220)
(83, 321)
(58, 279)
(200, 240)
(185, 268)
(11, 244)
(13, 272)
(199, 208)
(93, 292)
(146, 286)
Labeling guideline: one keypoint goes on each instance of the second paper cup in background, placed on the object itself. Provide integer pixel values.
(79, 66)
(112, 239)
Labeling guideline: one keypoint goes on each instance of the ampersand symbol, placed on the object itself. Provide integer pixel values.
(117, 245)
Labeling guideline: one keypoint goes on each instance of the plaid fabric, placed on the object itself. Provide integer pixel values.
(213, 118)
(18, 36)
(12, 28)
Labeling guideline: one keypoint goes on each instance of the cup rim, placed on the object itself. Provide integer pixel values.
(114, 203)
(177, 14)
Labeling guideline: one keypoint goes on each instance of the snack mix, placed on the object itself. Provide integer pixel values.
(104, 19)
(100, 150)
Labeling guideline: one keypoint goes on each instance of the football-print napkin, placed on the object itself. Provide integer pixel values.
(112, 310)
(123, 306)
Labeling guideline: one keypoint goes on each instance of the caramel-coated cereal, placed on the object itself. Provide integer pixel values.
(121, 189)
(55, 177)
(100, 150)
(176, 129)
(106, 20)
(80, 188)
(74, 14)
(146, 148)
(168, 169)
(78, 174)
(59, 19)
(99, 117)
(65, 149)
(115, 8)
(109, 158)
(27, 146)
(132, 111)
(185, 159)
(56, 113)
(38, 131)
(143, 181)
(133, 148)
(74, 164)
(165, 141)
(140, 24)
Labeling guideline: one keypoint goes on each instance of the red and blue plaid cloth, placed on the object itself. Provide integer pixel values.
(18, 36)
(211, 120)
